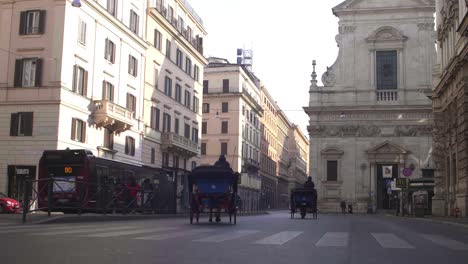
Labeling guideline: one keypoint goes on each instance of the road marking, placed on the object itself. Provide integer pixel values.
(174, 235)
(446, 242)
(333, 239)
(131, 232)
(84, 230)
(388, 240)
(227, 236)
(279, 238)
(39, 228)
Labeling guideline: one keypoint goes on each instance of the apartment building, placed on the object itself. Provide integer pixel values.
(299, 157)
(231, 124)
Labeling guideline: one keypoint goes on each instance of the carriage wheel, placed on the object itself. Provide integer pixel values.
(198, 216)
(230, 217)
(303, 213)
(235, 217)
(191, 217)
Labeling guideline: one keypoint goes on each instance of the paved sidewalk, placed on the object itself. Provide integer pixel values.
(460, 221)
(43, 218)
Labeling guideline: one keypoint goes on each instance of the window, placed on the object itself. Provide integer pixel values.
(112, 6)
(176, 126)
(195, 104)
(194, 164)
(185, 164)
(224, 148)
(175, 162)
(225, 107)
(168, 48)
(205, 86)
(187, 131)
(32, 22)
(129, 146)
(21, 124)
(332, 170)
(28, 72)
(156, 77)
(157, 39)
(132, 66)
(243, 110)
(188, 66)
(165, 159)
(109, 53)
(189, 33)
(80, 80)
(196, 73)
(170, 13)
(153, 156)
(181, 24)
(131, 103)
(108, 138)
(187, 99)
(203, 148)
(155, 116)
(107, 91)
(78, 131)
(195, 135)
(226, 86)
(82, 32)
(387, 70)
(224, 127)
(204, 128)
(206, 108)
(134, 22)
(168, 87)
(179, 58)
(166, 122)
(178, 93)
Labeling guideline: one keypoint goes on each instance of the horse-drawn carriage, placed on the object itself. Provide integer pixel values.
(213, 188)
(303, 199)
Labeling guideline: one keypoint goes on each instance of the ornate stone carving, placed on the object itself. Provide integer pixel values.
(426, 26)
(386, 34)
(328, 78)
(369, 131)
(406, 131)
(346, 29)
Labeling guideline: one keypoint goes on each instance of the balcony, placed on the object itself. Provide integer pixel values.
(387, 95)
(112, 116)
(251, 165)
(172, 142)
(152, 134)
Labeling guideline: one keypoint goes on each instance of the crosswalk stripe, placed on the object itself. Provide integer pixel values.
(279, 238)
(175, 234)
(446, 242)
(333, 239)
(227, 236)
(131, 232)
(388, 240)
(42, 228)
(84, 230)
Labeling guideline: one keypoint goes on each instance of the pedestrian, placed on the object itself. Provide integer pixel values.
(132, 188)
(343, 206)
(350, 208)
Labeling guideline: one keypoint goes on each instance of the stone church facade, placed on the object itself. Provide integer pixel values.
(371, 118)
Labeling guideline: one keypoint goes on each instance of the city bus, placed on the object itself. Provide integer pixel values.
(82, 181)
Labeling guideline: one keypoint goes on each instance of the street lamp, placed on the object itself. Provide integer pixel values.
(76, 3)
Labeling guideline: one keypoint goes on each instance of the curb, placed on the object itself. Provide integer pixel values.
(108, 218)
(436, 221)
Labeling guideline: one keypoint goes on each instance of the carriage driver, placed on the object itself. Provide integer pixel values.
(309, 184)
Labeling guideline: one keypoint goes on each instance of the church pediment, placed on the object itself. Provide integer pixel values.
(386, 34)
(381, 4)
(332, 152)
(387, 148)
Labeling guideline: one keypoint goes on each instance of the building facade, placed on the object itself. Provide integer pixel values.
(79, 78)
(371, 118)
(299, 157)
(173, 91)
(284, 162)
(231, 124)
(449, 96)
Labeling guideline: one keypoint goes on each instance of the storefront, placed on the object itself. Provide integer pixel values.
(18, 178)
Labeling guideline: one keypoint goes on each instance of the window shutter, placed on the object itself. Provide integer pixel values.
(18, 73)
(28, 120)
(73, 127)
(85, 84)
(103, 90)
(134, 106)
(75, 75)
(111, 91)
(22, 29)
(42, 21)
(136, 67)
(113, 52)
(127, 145)
(38, 72)
(106, 49)
(83, 132)
(129, 64)
(14, 125)
(133, 146)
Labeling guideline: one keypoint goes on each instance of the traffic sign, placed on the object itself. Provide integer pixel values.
(401, 182)
(407, 172)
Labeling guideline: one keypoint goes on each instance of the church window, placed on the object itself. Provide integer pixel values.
(387, 70)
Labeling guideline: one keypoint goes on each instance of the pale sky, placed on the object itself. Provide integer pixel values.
(285, 37)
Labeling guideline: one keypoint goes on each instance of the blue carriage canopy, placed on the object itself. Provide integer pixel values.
(213, 179)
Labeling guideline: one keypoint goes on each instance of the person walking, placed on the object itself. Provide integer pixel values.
(133, 188)
(343, 207)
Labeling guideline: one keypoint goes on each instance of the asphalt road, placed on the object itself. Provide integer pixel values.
(273, 238)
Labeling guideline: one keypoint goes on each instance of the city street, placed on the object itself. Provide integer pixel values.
(272, 238)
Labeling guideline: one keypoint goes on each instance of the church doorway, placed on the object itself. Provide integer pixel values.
(386, 173)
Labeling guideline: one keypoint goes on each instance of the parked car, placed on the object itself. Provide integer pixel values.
(8, 205)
